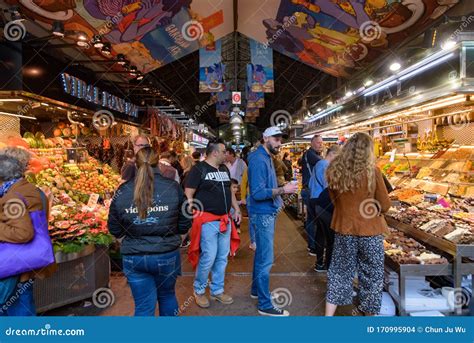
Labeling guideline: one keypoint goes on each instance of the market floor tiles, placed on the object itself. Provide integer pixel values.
(292, 277)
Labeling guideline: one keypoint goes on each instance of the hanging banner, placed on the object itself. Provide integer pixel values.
(261, 67)
(211, 69)
(224, 102)
(254, 99)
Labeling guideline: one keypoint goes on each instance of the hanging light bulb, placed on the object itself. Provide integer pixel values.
(121, 59)
(395, 66)
(58, 28)
(97, 43)
(106, 49)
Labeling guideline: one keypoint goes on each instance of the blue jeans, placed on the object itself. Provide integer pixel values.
(264, 225)
(215, 248)
(152, 278)
(310, 223)
(21, 302)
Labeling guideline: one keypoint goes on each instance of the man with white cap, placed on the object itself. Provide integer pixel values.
(264, 203)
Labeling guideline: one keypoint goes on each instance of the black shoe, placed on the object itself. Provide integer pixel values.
(312, 252)
(320, 269)
(274, 312)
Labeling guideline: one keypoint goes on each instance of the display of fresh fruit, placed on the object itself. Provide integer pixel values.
(72, 224)
(67, 132)
(57, 132)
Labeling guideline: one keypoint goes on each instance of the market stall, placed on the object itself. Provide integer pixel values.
(423, 132)
(79, 179)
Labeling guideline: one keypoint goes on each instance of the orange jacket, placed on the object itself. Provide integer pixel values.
(201, 218)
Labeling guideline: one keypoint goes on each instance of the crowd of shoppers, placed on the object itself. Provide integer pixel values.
(147, 215)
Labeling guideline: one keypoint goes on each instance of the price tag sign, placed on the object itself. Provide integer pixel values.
(392, 155)
(93, 199)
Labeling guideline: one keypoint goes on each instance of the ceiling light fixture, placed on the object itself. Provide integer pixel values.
(368, 83)
(448, 44)
(15, 13)
(17, 115)
(395, 66)
(97, 43)
(121, 59)
(133, 70)
(58, 28)
(106, 49)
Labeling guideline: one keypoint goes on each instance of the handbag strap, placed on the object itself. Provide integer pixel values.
(44, 200)
(307, 164)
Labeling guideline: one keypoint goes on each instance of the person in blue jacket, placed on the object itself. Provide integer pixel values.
(264, 204)
(321, 206)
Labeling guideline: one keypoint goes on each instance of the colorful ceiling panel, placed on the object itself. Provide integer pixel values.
(150, 33)
(337, 36)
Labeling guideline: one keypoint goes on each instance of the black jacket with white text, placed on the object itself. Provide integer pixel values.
(160, 231)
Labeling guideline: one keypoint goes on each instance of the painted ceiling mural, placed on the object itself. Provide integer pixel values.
(336, 36)
(150, 33)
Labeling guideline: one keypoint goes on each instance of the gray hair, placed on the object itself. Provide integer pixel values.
(10, 168)
(20, 154)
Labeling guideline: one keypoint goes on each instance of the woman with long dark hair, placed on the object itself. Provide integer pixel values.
(146, 212)
(360, 198)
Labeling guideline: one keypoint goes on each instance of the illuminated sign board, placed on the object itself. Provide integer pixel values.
(80, 89)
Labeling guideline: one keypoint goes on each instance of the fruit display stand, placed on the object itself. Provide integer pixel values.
(79, 195)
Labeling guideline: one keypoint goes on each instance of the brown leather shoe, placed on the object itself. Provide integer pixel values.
(223, 298)
(202, 300)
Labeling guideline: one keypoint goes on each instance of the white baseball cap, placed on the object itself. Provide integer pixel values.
(273, 131)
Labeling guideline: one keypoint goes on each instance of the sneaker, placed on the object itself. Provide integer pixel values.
(274, 312)
(253, 246)
(202, 300)
(223, 298)
(312, 252)
(272, 295)
(239, 231)
(320, 269)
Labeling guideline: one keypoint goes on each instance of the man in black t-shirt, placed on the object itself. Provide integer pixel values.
(208, 191)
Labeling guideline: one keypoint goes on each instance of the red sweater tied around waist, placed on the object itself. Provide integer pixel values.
(201, 218)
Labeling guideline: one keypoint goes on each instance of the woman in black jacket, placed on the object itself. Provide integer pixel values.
(146, 211)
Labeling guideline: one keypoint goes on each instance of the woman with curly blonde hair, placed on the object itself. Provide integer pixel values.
(360, 198)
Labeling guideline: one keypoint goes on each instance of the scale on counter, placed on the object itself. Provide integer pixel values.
(76, 155)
